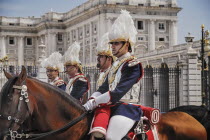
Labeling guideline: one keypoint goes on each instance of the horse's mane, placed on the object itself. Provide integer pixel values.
(7, 88)
(59, 92)
(55, 90)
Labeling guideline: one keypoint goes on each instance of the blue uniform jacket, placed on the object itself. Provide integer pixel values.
(130, 76)
(63, 87)
(79, 89)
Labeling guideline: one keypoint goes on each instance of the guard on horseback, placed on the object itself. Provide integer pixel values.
(53, 66)
(78, 84)
(104, 61)
(124, 73)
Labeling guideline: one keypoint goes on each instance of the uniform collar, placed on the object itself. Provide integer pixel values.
(105, 69)
(124, 56)
(76, 75)
(51, 82)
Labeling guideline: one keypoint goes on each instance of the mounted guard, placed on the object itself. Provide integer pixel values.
(53, 66)
(104, 61)
(78, 84)
(124, 73)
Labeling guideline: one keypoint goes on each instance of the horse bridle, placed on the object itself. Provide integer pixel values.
(15, 119)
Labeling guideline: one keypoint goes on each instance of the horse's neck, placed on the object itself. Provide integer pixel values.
(51, 108)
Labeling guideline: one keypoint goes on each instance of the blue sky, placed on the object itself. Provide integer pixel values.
(191, 17)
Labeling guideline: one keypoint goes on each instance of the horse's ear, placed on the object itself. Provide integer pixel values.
(8, 76)
(22, 75)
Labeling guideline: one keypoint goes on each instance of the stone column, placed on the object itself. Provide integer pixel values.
(91, 30)
(193, 78)
(173, 33)
(51, 42)
(109, 24)
(3, 47)
(83, 44)
(151, 38)
(65, 39)
(20, 51)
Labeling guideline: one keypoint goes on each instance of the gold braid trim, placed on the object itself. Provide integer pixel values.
(114, 69)
(102, 79)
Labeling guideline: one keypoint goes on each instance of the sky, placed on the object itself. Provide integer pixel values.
(194, 13)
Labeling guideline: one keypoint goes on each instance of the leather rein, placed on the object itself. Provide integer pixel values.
(14, 119)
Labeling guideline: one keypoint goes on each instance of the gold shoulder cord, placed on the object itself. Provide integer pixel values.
(114, 69)
(100, 81)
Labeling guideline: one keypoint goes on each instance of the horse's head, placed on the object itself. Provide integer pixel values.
(13, 102)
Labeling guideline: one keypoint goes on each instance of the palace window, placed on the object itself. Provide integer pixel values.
(60, 49)
(94, 28)
(28, 41)
(140, 25)
(161, 26)
(161, 5)
(141, 38)
(60, 37)
(161, 39)
(11, 41)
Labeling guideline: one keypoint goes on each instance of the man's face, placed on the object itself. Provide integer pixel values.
(71, 70)
(116, 46)
(101, 60)
(51, 74)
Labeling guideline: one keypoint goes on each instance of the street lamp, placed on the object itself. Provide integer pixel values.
(204, 47)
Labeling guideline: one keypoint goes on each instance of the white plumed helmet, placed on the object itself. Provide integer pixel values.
(53, 62)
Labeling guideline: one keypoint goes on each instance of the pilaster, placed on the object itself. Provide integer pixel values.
(193, 80)
(151, 35)
(91, 30)
(173, 33)
(20, 51)
(3, 46)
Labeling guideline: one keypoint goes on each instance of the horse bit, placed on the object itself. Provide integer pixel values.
(23, 96)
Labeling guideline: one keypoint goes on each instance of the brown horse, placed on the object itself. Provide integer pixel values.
(180, 126)
(29, 106)
(43, 108)
(200, 113)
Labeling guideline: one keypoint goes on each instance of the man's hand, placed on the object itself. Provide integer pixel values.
(90, 105)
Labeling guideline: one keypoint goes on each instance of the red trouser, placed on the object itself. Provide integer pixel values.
(101, 120)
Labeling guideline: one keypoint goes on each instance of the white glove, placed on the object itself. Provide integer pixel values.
(95, 94)
(90, 105)
(93, 103)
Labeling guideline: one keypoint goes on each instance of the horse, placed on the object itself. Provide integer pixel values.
(200, 113)
(39, 107)
(31, 109)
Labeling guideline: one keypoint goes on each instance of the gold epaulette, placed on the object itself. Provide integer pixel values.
(133, 62)
(82, 79)
(114, 69)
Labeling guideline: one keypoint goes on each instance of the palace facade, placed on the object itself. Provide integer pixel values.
(20, 38)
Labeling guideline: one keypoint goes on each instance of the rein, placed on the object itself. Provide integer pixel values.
(15, 134)
(67, 126)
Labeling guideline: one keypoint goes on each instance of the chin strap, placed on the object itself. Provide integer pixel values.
(121, 49)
